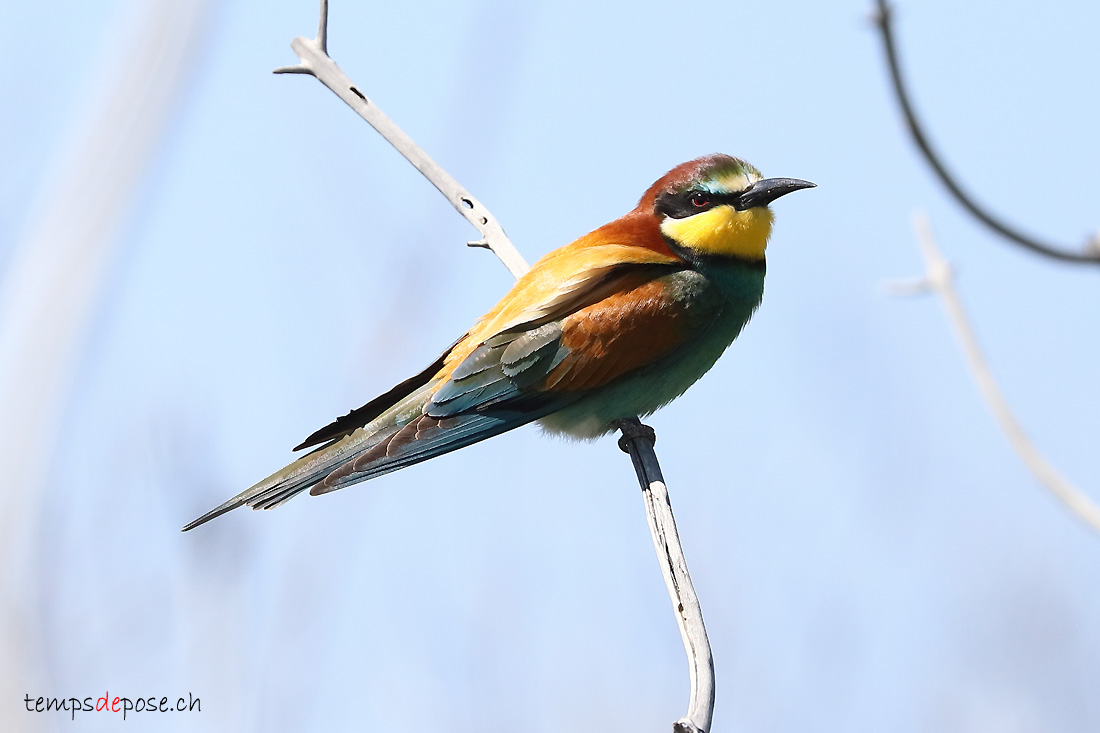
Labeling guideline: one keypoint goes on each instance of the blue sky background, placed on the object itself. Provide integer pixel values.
(869, 552)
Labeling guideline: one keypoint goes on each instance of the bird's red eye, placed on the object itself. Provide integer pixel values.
(699, 199)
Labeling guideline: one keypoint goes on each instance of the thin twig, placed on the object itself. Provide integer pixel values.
(939, 279)
(637, 439)
(315, 61)
(883, 19)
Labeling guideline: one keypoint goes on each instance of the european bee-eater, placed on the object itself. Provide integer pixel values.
(614, 325)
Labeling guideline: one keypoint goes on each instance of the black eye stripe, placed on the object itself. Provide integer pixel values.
(681, 205)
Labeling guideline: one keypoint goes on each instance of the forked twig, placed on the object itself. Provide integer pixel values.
(938, 278)
(637, 439)
(883, 19)
(315, 61)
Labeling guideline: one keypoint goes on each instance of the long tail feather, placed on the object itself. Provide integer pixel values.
(418, 441)
(310, 469)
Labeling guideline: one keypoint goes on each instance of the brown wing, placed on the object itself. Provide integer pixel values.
(625, 331)
(360, 416)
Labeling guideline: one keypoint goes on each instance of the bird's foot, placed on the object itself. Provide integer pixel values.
(632, 429)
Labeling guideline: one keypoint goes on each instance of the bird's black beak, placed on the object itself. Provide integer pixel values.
(766, 190)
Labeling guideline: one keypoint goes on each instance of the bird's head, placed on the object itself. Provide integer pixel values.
(716, 206)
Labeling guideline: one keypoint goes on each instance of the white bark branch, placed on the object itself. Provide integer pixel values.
(315, 61)
(939, 278)
(637, 439)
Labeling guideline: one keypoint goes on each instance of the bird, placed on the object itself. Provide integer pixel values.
(610, 327)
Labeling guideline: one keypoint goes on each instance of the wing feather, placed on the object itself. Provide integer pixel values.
(570, 324)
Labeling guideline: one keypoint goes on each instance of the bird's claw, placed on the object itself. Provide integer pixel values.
(632, 429)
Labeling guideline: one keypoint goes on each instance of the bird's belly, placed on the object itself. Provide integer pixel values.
(643, 392)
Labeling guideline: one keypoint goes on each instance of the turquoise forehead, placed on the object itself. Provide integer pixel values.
(726, 175)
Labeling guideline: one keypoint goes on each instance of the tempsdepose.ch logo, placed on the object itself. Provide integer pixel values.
(116, 704)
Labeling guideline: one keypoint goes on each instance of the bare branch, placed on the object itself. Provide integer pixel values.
(314, 60)
(638, 440)
(1091, 254)
(939, 278)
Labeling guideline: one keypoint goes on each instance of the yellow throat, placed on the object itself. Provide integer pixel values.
(723, 231)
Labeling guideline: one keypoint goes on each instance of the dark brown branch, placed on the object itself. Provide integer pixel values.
(883, 22)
